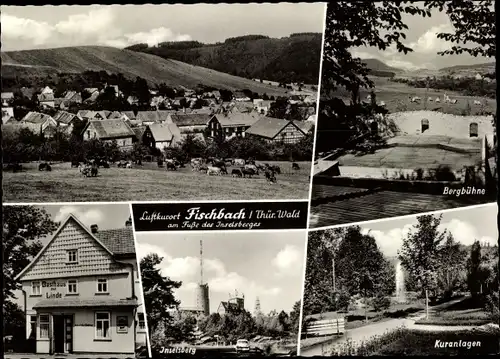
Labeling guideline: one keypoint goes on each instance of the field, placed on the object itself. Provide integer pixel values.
(149, 183)
(130, 63)
(396, 97)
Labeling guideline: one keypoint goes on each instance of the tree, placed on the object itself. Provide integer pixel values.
(374, 24)
(295, 317)
(452, 262)
(23, 226)
(419, 253)
(158, 292)
(473, 21)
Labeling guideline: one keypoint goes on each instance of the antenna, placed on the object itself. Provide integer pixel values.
(201, 261)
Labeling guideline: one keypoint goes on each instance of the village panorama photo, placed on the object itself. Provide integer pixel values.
(169, 105)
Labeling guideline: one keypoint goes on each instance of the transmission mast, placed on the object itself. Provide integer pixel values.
(201, 261)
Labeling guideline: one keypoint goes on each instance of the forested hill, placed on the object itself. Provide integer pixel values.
(289, 59)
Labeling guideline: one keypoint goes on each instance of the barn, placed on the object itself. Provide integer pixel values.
(276, 130)
(161, 135)
(231, 124)
(110, 130)
(194, 124)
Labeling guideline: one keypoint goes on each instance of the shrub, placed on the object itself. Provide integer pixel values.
(381, 303)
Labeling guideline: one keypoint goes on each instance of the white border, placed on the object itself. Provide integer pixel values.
(139, 274)
(311, 176)
(386, 219)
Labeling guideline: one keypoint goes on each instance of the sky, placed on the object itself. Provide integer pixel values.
(267, 265)
(106, 216)
(466, 226)
(34, 27)
(421, 37)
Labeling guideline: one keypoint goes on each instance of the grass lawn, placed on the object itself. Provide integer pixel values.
(149, 183)
(466, 312)
(356, 319)
(408, 342)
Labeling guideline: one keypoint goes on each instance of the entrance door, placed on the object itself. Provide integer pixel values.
(59, 334)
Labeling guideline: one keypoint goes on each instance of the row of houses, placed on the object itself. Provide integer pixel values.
(161, 129)
(212, 100)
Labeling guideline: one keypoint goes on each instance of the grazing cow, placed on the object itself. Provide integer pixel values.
(75, 164)
(295, 166)
(247, 172)
(213, 171)
(438, 100)
(203, 168)
(238, 162)
(270, 176)
(128, 165)
(429, 99)
(476, 102)
(48, 167)
(275, 168)
(260, 166)
(253, 168)
(42, 166)
(171, 166)
(454, 101)
(236, 172)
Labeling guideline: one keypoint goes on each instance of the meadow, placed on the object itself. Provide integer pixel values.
(149, 183)
(396, 97)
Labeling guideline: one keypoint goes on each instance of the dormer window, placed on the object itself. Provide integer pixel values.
(72, 256)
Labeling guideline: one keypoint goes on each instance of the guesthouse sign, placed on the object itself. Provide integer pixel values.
(54, 287)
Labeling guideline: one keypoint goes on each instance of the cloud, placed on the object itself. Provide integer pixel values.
(95, 27)
(86, 216)
(428, 43)
(465, 232)
(288, 261)
(389, 242)
(14, 27)
(155, 36)
(94, 22)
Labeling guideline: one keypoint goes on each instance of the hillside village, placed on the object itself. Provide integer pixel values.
(158, 118)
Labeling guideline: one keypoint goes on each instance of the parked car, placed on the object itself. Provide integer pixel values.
(242, 346)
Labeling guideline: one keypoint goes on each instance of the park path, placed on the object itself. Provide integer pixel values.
(364, 333)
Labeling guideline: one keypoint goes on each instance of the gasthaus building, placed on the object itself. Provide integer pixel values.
(82, 292)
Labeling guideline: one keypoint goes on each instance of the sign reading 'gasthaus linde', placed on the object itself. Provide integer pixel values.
(53, 284)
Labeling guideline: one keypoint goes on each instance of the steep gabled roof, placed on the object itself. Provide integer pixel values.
(36, 117)
(191, 119)
(237, 119)
(119, 241)
(165, 131)
(64, 117)
(63, 224)
(114, 128)
(268, 127)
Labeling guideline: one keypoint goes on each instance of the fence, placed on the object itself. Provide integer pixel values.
(326, 327)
